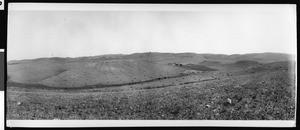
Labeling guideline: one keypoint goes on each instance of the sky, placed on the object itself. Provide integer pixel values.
(75, 33)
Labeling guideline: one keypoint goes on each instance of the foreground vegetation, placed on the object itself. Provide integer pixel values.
(263, 96)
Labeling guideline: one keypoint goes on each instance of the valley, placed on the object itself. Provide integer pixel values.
(147, 86)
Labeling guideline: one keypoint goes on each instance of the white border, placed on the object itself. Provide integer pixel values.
(145, 123)
(2, 109)
(149, 7)
(2, 99)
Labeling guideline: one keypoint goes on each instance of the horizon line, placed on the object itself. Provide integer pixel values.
(149, 52)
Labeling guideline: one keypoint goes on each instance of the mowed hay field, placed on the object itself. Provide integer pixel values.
(77, 74)
(144, 89)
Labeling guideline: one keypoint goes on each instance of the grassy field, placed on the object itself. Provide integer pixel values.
(262, 96)
(153, 86)
(76, 74)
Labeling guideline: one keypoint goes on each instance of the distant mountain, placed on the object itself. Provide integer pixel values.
(263, 57)
(120, 69)
(259, 57)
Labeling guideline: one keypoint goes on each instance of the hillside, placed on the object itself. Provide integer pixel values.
(153, 86)
(123, 69)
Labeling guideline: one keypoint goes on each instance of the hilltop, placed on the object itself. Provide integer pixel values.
(107, 70)
(159, 86)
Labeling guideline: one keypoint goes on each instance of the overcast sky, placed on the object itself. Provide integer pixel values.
(74, 33)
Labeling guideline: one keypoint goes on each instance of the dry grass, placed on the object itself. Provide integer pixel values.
(272, 99)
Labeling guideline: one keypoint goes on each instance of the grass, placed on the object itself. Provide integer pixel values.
(198, 67)
(167, 93)
(77, 74)
(255, 100)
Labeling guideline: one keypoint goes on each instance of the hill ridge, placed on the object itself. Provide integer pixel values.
(134, 55)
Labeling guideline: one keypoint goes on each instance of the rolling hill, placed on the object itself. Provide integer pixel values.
(124, 69)
(153, 86)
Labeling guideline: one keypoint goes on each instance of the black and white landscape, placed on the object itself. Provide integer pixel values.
(144, 86)
(152, 65)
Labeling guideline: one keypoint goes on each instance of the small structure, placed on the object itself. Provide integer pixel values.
(229, 100)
